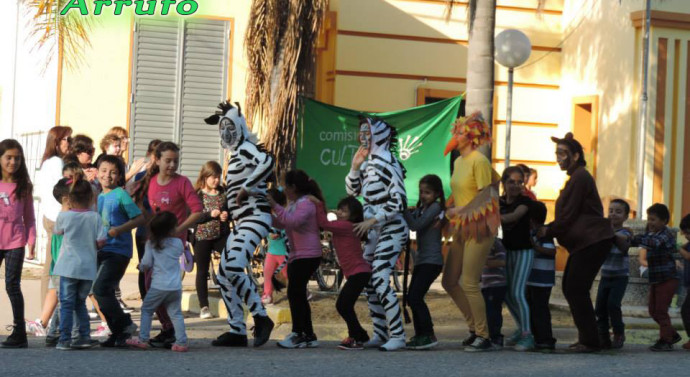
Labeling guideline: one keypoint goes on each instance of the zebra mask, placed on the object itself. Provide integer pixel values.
(232, 126)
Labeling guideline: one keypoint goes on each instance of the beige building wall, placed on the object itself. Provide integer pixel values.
(96, 96)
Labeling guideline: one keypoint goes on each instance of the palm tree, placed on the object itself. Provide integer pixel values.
(280, 45)
(71, 30)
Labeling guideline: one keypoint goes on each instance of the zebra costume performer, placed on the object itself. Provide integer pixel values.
(248, 169)
(379, 181)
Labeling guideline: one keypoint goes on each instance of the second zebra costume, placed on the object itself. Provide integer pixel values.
(248, 169)
(380, 181)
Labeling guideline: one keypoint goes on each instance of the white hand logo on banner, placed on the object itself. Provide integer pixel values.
(409, 146)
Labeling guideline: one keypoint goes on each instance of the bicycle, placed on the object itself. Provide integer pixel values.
(329, 275)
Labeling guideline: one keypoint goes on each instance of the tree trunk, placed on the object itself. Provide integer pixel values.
(480, 64)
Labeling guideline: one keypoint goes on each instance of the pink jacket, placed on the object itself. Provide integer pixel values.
(17, 221)
(299, 222)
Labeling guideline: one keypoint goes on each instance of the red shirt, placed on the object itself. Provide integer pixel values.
(347, 245)
(177, 196)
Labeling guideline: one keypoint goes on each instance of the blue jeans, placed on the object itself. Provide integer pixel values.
(73, 294)
(53, 330)
(172, 302)
(608, 304)
(494, 297)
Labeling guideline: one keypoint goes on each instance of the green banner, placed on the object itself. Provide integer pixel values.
(328, 138)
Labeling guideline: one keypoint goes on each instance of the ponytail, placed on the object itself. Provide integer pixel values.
(303, 183)
(143, 187)
(80, 191)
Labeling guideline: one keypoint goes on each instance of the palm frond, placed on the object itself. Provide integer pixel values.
(280, 44)
(51, 31)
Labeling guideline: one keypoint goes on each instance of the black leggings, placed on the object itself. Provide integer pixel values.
(202, 256)
(299, 273)
(141, 250)
(14, 262)
(423, 276)
(346, 304)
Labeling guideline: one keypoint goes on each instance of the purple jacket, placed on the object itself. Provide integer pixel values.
(299, 222)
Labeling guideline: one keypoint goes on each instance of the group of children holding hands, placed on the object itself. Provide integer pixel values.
(93, 234)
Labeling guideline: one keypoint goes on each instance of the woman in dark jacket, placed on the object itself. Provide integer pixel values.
(580, 227)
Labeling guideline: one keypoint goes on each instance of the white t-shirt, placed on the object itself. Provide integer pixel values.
(165, 263)
(48, 176)
(81, 230)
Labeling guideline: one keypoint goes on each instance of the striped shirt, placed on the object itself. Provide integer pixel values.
(543, 272)
(618, 262)
(496, 276)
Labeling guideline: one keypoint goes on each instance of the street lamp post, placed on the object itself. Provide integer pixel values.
(512, 50)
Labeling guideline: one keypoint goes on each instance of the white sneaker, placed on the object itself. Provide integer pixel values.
(292, 340)
(36, 327)
(393, 344)
(205, 313)
(375, 342)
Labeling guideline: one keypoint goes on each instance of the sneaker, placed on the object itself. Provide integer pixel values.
(205, 313)
(469, 339)
(293, 340)
(676, 338)
(618, 341)
(393, 344)
(17, 338)
(311, 341)
(375, 342)
(686, 346)
(349, 344)
(513, 339)
(480, 345)
(262, 330)
(180, 348)
(138, 343)
(423, 342)
(101, 331)
(84, 343)
(605, 341)
(110, 342)
(229, 339)
(266, 300)
(661, 346)
(116, 341)
(64, 345)
(36, 327)
(545, 347)
(124, 306)
(525, 344)
(164, 339)
(52, 341)
(130, 330)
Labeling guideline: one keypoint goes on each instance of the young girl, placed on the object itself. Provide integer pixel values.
(83, 234)
(428, 261)
(275, 254)
(210, 234)
(299, 222)
(120, 215)
(163, 251)
(168, 191)
(17, 229)
(348, 248)
(514, 207)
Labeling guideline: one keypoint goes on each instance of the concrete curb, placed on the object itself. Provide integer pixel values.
(190, 303)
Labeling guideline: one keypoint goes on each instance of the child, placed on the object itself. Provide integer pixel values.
(514, 207)
(166, 190)
(541, 279)
(299, 221)
(83, 234)
(348, 248)
(685, 253)
(210, 231)
(110, 146)
(428, 260)
(615, 273)
(660, 244)
(17, 229)
(494, 292)
(276, 253)
(163, 251)
(120, 215)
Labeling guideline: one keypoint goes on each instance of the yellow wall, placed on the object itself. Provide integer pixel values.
(95, 97)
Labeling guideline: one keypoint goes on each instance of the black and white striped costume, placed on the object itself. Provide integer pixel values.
(380, 183)
(248, 168)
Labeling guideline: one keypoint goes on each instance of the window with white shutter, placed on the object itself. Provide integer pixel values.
(179, 74)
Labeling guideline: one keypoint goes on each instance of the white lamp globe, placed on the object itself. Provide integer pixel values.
(512, 48)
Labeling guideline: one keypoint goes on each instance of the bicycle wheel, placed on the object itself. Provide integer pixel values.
(329, 276)
(213, 271)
